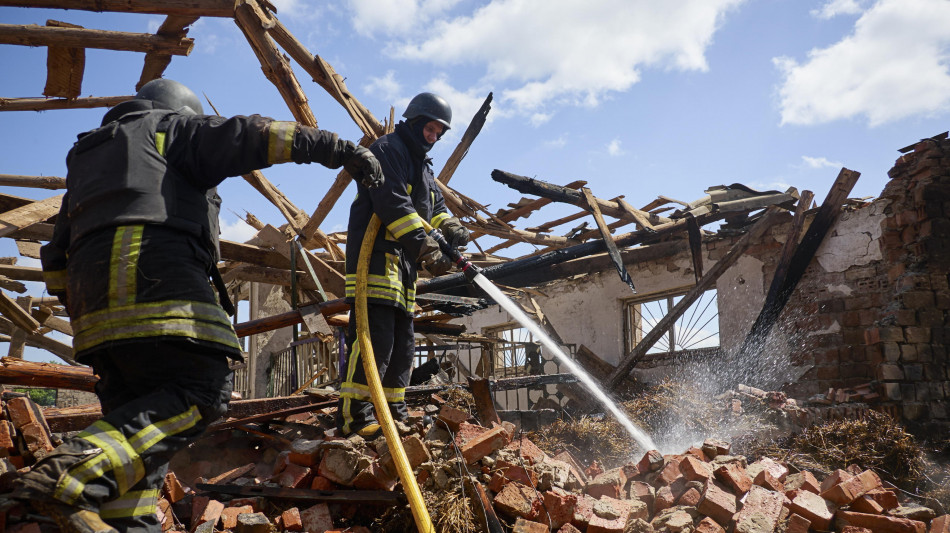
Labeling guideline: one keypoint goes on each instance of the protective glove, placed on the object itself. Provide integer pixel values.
(455, 233)
(362, 165)
(432, 259)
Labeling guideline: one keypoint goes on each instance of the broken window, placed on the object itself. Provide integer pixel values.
(697, 327)
(515, 353)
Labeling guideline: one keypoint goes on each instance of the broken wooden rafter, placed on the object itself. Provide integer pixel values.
(326, 276)
(21, 273)
(526, 236)
(662, 326)
(18, 315)
(204, 8)
(63, 351)
(65, 66)
(37, 182)
(46, 104)
(612, 251)
(18, 339)
(695, 246)
(474, 127)
(21, 217)
(173, 27)
(561, 194)
(526, 206)
(785, 282)
(253, 22)
(34, 35)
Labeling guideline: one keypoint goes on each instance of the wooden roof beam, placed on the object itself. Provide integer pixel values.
(34, 35)
(174, 27)
(198, 8)
(46, 104)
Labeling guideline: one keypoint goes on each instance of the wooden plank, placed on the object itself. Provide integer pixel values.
(779, 295)
(63, 351)
(484, 402)
(205, 8)
(46, 318)
(174, 27)
(21, 273)
(474, 127)
(332, 281)
(17, 315)
(45, 104)
(659, 329)
(642, 217)
(253, 20)
(34, 35)
(64, 67)
(47, 375)
(791, 244)
(21, 217)
(612, 251)
(18, 339)
(38, 182)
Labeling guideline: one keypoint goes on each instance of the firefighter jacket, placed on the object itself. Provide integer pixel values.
(136, 238)
(407, 197)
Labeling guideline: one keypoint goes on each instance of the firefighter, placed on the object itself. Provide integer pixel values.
(132, 252)
(408, 196)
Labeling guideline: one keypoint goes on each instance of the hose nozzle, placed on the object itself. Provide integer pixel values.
(461, 262)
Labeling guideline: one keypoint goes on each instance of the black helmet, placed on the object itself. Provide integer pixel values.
(431, 106)
(169, 94)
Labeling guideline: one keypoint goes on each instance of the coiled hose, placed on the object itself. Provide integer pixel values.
(416, 504)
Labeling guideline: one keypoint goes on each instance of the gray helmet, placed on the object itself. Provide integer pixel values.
(431, 106)
(169, 94)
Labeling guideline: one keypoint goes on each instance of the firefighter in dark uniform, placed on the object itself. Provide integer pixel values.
(133, 248)
(408, 196)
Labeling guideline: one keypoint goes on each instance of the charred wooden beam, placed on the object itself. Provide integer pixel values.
(660, 328)
(612, 251)
(204, 8)
(474, 127)
(272, 415)
(46, 104)
(37, 182)
(781, 290)
(484, 403)
(695, 246)
(34, 35)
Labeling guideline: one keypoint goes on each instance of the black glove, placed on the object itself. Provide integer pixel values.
(362, 165)
(455, 233)
(432, 259)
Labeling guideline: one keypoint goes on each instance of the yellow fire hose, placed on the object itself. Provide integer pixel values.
(419, 512)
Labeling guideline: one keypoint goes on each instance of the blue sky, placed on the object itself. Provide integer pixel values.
(639, 97)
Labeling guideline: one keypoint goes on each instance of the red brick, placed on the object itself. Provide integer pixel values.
(642, 491)
(497, 482)
(560, 508)
(690, 498)
(797, 524)
(866, 504)
(651, 462)
(526, 526)
(295, 477)
(631, 470)
(322, 483)
(21, 412)
(37, 439)
(6, 436)
(172, 489)
(835, 478)
(229, 515)
(734, 476)
(484, 444)
(761, 511)
(453, 417)
(717, 503)
(583, 511)
(714, 448)
(885, 498)
(468, 432)
(610, 483)
(518, 500)
(305, 452)
(568, 528)
(813, 507)
(576, 469)
(708, 525)
(776, 469)
(669, 473)
(593, 470)
(614, 521)
(664, 499)
(881, 523)
(804, 480)
(257, 503)
(316, 518)
(695, 469)
(339, 466)
(517, 472)
(941, 524)
(290, 520)
(528, 450)
(697, 453)
(205, 510)
(767, 480)
(374, 477)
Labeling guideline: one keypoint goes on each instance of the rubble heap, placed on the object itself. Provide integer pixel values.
(293, 475)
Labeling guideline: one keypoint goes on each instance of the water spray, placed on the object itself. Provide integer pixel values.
(474, 274)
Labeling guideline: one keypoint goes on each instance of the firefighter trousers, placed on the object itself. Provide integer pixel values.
(157, 397)
(392, 336)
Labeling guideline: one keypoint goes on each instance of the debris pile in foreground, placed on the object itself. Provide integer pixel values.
(293, 475)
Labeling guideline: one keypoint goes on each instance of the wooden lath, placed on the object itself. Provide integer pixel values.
(64, 67)
(173, 27)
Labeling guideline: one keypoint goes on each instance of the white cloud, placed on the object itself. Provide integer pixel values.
(614, 149)
(385, 88)
(237, 231)
(560, 142)
(396, 17)
(544, 54)
(893, 65)
(820, 162)
(834, 8)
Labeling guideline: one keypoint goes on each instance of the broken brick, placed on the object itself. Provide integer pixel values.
(866, 504)
(305, 452)
(516, 472)
(734, 476)
(708, 525)
(610, 483)
(881, 523)
(316, 518)
(669, 473)
(765, 479)
(642, 491)
(294, 476)
(797, 524)
(374, 477)
(339, 465)
(717, 503)
(252, 523)
(484, 444)
(528, 450)
(172, 489)
(610, 516)
(813, 507)
(690, 498)
(583, 511)
(560, 508)
(836, 477)
(453, 417)
(664, 499)
(229, 515)
(527, 526)
(941, 524)
(714, 448)
(885, 498)
(761, 511)
(695, 469)
(651, 462)
(518, 500)
(804, 480)
(205, 510)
